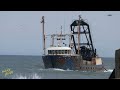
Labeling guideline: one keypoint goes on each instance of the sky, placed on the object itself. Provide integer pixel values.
(21, 31)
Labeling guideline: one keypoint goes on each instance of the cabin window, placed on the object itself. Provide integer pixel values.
(56, 52)
(53, 52)
(66, 52)
(48, 51)
(63, 51)
(59, 51)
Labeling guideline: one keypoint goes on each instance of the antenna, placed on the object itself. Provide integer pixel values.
(64, 25)
(61, 28)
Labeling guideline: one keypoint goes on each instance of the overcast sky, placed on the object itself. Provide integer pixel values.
(21, 31)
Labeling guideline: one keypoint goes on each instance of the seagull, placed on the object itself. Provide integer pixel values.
(109, 14)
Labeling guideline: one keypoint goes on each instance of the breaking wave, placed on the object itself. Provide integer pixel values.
(30, 76)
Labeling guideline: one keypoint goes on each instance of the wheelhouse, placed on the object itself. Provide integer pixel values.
(59, 51)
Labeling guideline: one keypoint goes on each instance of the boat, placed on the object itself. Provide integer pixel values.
(73, 54)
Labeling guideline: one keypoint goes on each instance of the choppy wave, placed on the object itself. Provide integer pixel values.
(31, 76)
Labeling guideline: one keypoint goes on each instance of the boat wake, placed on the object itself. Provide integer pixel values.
(62, 70)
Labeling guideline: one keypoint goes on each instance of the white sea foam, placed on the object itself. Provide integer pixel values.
(31, 76)
(108, 70)
(57, 69)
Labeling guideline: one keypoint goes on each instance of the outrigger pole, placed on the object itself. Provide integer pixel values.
(43, 33)
(79, 35)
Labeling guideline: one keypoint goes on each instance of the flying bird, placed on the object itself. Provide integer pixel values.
(109, 15)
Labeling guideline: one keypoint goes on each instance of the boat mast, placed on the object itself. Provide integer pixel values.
(79, 35)
(43, 33)
(52, 36)
(61, 37)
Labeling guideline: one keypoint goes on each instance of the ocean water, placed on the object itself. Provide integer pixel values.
(32, 67)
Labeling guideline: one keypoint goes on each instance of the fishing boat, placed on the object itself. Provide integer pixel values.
(73, 54)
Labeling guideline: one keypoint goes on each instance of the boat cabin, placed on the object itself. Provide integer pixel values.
(59, 51)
